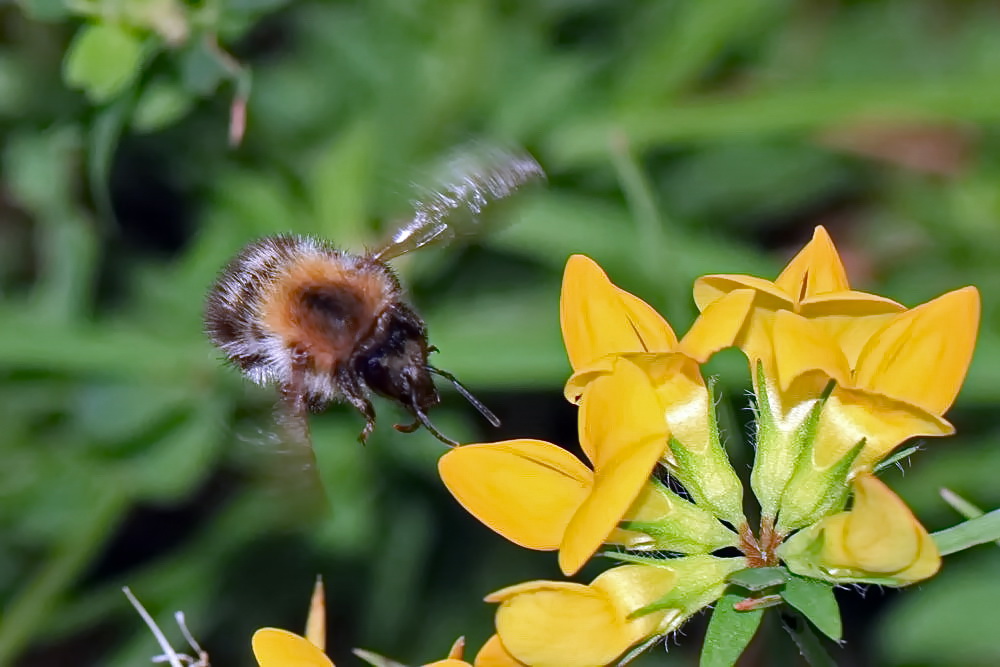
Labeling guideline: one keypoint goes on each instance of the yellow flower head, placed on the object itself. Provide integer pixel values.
(540, 496)
(280, 648)
(563, 624)
(878, 540)
(813, 285)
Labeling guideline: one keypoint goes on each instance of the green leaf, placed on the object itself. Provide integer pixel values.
(816, 601)
(759, 578)
(968, 534)
(729, 631)
(102, 60)
(161, 104)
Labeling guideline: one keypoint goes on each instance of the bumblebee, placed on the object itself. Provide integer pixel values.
(327, 325)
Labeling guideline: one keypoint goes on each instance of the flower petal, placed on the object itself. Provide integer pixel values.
(816, 269)
(718, 326)
(616, 484)
(493, 654)
(598, 318)
(709, 289)
(279, 648)
(879, 535)
(655, 333)
(851, 415)
(921, 356)
(679, 387)
(575, 625)
(316, 621)
(526, 490)
(619, 409)
(801, 346)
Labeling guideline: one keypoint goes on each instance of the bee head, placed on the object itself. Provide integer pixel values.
(394, 365)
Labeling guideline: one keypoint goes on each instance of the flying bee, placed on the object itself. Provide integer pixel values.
(327, 325)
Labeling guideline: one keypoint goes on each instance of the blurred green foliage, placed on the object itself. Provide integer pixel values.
(681, 138)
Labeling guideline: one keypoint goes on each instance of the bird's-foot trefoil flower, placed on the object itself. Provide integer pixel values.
(841, 379)
(273, 647)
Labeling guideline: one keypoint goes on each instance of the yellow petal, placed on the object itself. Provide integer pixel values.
(927, 563)
(510, 592)
(709, 289)
(575, 625)
(316, 621)
(921, 356)
(598, 318)
(448, 662)
(457, 649)
(850, 317)
(526, 490)
(801, 346)
(718, 326)
(655, 333)
(851, 415)
(633, 587)
(879, 535)
(280, 648)
(681, 389)
(616, 484)
(493, 654)
(817, 269)
(619, 409)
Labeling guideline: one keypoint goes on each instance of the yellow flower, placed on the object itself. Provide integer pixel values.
(273, 647)
(540, 496)
(563, 624)
(905, 377)
(878, 540)
(813, 285)
(602, 323)
(280, 648)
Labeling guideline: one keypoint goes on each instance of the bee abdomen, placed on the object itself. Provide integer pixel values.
(233, 308)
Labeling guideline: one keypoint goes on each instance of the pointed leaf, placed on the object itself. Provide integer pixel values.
(816, 601)
(729, 631)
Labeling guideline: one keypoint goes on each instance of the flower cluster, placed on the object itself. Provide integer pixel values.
(841, 379)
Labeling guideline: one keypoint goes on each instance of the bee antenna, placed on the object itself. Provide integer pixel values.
(476, 403)
(422, 418)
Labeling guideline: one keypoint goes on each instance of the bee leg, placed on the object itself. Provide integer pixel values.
(356, 396)
(407, 428)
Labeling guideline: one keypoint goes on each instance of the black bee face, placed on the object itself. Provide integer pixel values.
(393, 362)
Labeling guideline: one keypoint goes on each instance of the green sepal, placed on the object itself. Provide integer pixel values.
(729, 631)
(701, 580)
(685, 528)
(814, 493)
(779, 449)
(708, 474)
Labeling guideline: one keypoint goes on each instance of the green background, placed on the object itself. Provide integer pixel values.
(680, 138)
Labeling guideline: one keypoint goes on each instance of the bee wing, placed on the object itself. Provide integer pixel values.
(454, 205)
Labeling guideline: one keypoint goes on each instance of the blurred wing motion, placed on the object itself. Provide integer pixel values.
(472, 179)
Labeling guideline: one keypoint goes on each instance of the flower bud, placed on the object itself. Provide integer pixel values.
(878, 541)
